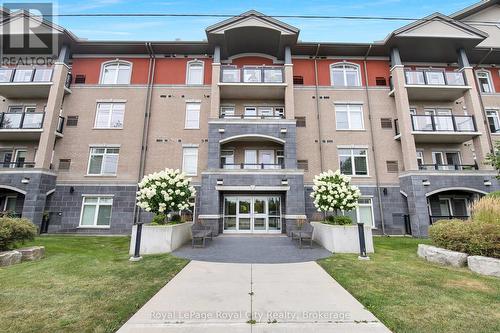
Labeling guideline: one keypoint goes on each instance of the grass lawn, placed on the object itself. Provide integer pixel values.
(85, 284)
(409, 294)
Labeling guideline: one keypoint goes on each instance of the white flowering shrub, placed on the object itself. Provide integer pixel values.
(332, 192)
(165, 191)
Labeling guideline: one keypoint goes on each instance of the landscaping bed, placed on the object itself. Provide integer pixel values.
(84, 284)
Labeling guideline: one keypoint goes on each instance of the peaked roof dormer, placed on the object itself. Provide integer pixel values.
(252, 32)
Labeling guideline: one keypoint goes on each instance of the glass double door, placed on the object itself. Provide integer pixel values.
(252, 214)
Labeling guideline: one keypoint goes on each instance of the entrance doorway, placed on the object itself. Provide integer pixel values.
(252, 214)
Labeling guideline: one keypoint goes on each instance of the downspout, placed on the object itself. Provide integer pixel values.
(481, 101)
(147, 117)
(318, 116)
(365, 69)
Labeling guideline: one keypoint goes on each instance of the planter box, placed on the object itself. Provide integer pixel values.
(484, 265)
(442, 256)
(161, 239)
(341, 238)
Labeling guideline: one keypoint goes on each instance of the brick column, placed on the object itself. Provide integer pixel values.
(215, 94)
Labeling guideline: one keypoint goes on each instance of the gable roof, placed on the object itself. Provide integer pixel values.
(477, 7)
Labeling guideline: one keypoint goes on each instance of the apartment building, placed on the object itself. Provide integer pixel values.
(252, 114)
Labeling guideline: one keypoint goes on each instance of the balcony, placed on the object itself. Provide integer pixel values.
(435, 85)
(443, 128)
(22, 125)
(447, 167)
(252, 166)
(253, 113)
(266, 82)
(17, 165)
(27, 82)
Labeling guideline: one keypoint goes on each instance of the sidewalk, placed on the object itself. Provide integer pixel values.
(222, 297)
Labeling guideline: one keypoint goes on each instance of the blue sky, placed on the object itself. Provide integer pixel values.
(187, 28)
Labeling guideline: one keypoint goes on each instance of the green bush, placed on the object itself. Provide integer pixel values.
(159, 219)
(495, 194)
(15, 230)
(175, 218)
(338, 220)
(473, 238)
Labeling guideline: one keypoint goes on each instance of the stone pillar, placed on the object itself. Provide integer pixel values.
(215, 94)
(289, 97)
(403, 112)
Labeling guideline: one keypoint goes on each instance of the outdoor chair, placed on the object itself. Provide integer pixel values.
(200, 234)
(303, 234)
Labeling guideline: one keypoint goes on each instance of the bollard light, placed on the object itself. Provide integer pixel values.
(137, 249)
(362, 243)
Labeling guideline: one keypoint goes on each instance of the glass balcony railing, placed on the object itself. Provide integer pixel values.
(17, 165)
(443, 123)
(251, 166)
(21, 120)
(20, 75)
(257, 74)
(434, 78)
(447, 167)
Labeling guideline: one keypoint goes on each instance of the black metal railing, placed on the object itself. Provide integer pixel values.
(273, 115)
(69, 79)
(434, 218)
(60, 125)
(16, 165)
(21, 120)
(251, 166)
(396, 127)
(20, 75)
(445, 123)
(448, 167)
(434, 78)
(254, 74)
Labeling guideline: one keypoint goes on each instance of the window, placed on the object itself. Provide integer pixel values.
(64, 163)
(345, 75)
(250, 112)
(420, 158)
(280, 158)
(353, 162)
(227, 159)
(192, 116)
(103, 161)
(109, 115)
(227, 111)
(349, 116)
(116, 72)
(72, 121)
(96, 212)
(190, 161)
(363, 213)
(194, 72)
(300, 121)
(484, 81)
(493, 121)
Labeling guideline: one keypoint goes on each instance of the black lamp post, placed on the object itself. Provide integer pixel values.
(362, 243)
(137, 248)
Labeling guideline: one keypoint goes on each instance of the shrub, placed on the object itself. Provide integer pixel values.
(15, 230)
(175, 218)
(473, 238)
(159, 219)
(486, 210)
(338, 220)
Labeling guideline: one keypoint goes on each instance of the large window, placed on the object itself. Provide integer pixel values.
(109, 115)
(192, 116)
(190, 161)
(103, 161)
(96, 212)
(493, 120)
(116, 72)
(194, 72)
(353, 162)
(349, 116)
(345, 75)
(363, 213)
(484, 80)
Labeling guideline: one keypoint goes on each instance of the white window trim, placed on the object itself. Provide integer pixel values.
(352, 163)
(497, 116)
(6, 201)
(110, 116)
(101, 174)
(186, 116)
(364, 205)
(183, 160)
(490, 81)
(345, 63)
(188, 64)
(116, 61)
(95, 226)
(349, 117)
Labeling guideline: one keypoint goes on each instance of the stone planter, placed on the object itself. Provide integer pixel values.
(8, 258)
(157, 239)
(442, 256)
(341, 238)
(484, 265)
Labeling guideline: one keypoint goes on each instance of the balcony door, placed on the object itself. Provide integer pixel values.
(266, 157)
(251, 159)
(443, 120)
(446, 160)
(5, 158)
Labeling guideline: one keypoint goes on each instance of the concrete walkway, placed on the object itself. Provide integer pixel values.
(261, 249)
(220, 297)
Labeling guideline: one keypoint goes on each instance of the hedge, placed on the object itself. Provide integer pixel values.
(15, 230)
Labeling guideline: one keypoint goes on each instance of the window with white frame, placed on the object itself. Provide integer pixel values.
(484, 80)
(96, 211)
(116, 72)
(420, 158)
(349, 116)
(363, 213)
(190, 161)
(109, 115)
(345, 75)
(353, 162)
(194, 72)
(493, 120)
(103, 161)
(192, 116)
